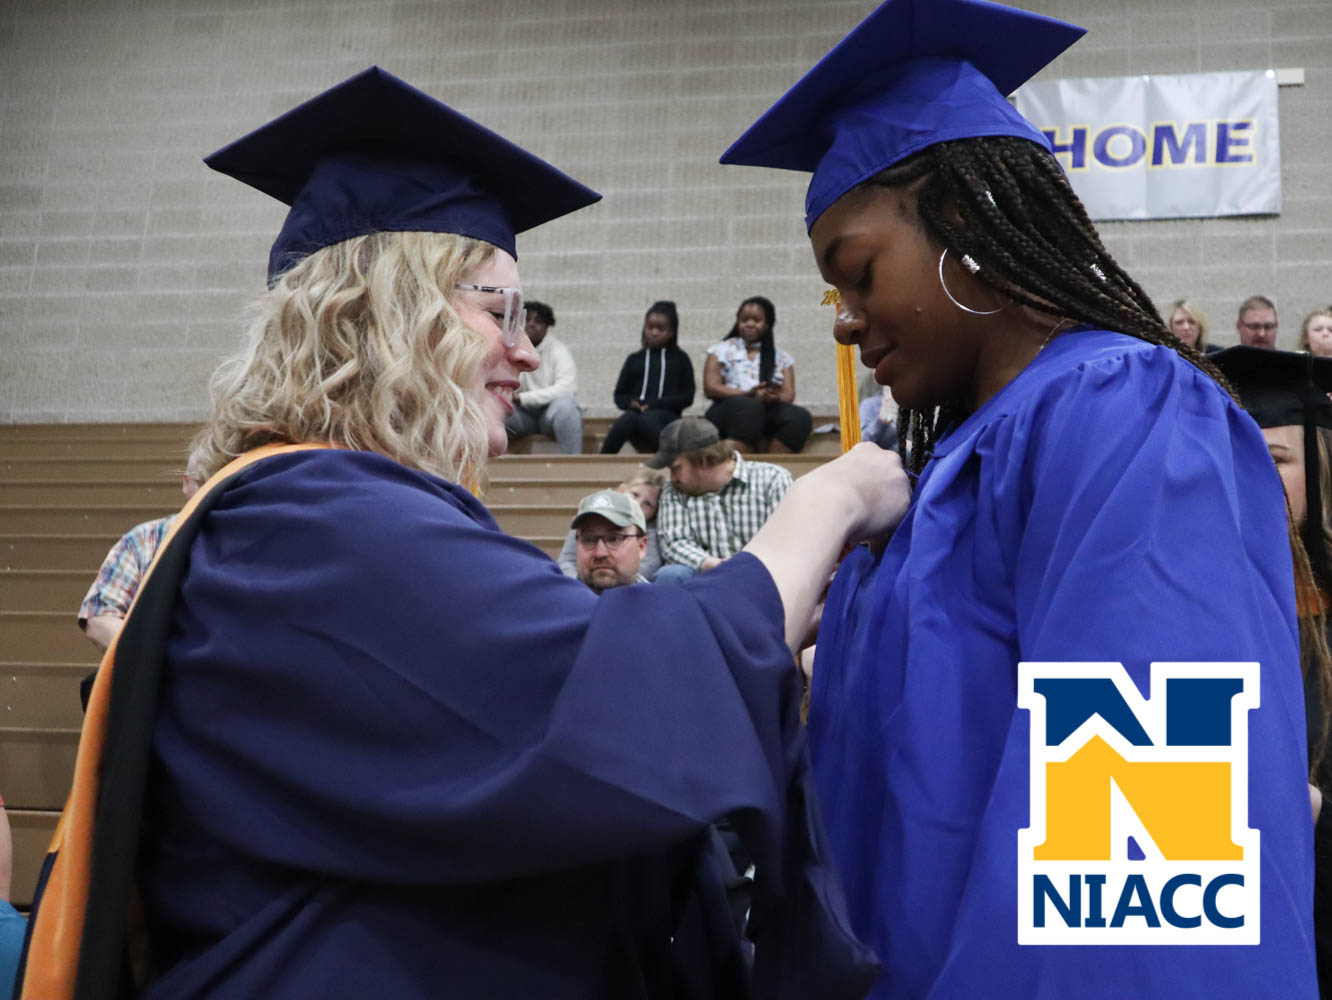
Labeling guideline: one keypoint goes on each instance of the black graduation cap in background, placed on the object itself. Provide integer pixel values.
(1284, 389)
(374, 154)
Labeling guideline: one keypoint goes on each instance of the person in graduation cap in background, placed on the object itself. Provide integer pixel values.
(1286, 394)
(1087, 492)
(397, 752)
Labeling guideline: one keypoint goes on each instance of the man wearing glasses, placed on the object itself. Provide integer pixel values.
(545, 401)
(612, 539)
(1257, 323)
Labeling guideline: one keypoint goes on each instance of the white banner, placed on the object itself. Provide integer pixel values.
(1164, 147)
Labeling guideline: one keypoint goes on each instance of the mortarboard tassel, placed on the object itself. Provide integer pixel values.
(848, 403)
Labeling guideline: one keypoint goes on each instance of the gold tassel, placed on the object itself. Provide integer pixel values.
(848, 405)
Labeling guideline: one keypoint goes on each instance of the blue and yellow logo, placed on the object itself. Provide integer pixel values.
(1139, 827)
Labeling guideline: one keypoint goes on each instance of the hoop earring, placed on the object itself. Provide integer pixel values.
(971, 265)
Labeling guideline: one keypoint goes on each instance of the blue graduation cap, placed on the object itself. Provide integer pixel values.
(912, 74)
(374, 154)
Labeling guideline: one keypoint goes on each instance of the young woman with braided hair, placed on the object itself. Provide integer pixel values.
(1093, 513)
(1007, 201)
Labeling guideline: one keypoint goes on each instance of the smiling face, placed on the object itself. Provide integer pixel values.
(871, 247)
(751, 322)
(484, 313)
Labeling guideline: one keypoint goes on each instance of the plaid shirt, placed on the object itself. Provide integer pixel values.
(691, 529)
(122, 569)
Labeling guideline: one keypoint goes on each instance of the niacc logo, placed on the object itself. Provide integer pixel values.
(1139, 828)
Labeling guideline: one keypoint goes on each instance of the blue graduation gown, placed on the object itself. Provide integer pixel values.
(1109, 504)
(399, 753)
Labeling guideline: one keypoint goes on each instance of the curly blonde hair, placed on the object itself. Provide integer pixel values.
(358, 346)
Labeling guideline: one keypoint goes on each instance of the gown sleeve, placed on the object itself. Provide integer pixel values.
(1144, 521)
(366, 678)
(1149, 498)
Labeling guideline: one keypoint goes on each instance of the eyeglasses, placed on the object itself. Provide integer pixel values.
(512, 324)
(1259, 327)
(613, 542)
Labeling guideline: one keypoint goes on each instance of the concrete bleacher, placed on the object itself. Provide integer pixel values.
(69, 491)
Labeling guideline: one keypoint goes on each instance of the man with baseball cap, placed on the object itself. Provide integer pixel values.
(612, 539)
(715, 502)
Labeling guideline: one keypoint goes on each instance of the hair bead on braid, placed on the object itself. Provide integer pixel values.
(1006, 201)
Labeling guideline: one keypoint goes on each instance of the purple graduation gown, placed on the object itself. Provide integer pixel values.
(399, 754)
(1110, 504)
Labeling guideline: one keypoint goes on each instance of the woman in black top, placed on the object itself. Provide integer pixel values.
(655, 385)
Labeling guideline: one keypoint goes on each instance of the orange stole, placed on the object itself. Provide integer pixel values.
(51, 959)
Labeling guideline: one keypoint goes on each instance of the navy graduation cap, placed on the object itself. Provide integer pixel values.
(374, 154)
(1284, 389)
(912, 74)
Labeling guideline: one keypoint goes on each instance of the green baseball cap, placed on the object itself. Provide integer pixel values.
(619, 509)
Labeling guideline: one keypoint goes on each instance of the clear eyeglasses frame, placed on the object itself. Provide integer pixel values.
(514, 317)
(613, 542)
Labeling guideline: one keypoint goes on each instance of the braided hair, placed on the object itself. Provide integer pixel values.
(1020, 218)
(767, 347)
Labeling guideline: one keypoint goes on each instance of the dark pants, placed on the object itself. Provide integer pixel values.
(642, 430)
(747, 420)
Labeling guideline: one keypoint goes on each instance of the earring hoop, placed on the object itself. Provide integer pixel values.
(973, 267)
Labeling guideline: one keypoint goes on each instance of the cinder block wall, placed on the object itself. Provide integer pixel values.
(125, 264)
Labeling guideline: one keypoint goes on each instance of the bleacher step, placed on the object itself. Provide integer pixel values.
(32, 831)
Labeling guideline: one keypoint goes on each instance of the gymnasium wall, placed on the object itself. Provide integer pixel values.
(125, 264)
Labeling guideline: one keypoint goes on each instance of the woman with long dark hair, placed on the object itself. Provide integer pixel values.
(655, 386)
(752, 384)
(1093, 513)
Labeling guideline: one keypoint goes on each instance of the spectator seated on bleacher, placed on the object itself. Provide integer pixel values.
(1189, 325)
(715, 502)
(544, 403)
(1316, 333)
(103, 611)
(655, 386)
(752, 384)
(612, 539)
(1256, 323)
(645, 487)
